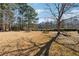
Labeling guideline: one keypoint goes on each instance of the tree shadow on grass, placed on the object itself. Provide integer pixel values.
(66, 46)
(44, 51)
(43, 47)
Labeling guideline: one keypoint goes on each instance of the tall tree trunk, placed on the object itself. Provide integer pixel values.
(10, 27)
(3, 23)
(58, 26)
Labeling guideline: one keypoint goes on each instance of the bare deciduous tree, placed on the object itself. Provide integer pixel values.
(60, 10)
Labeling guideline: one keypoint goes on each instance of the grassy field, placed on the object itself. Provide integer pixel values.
(11, 42)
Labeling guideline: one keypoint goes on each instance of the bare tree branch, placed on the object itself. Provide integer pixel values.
(50, 9)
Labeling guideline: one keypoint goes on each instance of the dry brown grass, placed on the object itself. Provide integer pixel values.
(10, 41)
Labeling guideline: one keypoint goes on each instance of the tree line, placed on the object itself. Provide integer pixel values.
(16, 16)
(22, 16)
